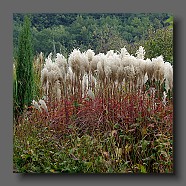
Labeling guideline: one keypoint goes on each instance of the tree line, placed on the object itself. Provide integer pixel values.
(100, 32)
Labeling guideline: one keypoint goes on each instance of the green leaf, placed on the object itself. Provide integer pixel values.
(143, 169)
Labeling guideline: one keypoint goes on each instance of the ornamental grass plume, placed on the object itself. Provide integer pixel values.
(168, 75)
(90, 54)
(52, 72)
(103, 73)
(91, 94)
(69, 76)
(145, 78)
(120, 74)
(75, 62)
(150, 69)
(100, 67)
(85, 66)
(164, 98)
(107, 70)
(113, 63)
(140, 53)
(93, 82)
(158, 65)
(43, 105)
(129, 75)
(57, 90)
(123, 53)
(61, 62)
(142, 64)
(138, 78)
(41, 56)
(44, 76)
(110, 53)
(84, 85)
(93, 64)
(36, 105)
(48, 62)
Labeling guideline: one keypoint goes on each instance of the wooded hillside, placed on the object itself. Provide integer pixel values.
(100, 32)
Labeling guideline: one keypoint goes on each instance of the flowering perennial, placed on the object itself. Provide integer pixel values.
(101, 73)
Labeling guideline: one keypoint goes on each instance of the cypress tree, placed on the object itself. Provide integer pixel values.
(24, 67)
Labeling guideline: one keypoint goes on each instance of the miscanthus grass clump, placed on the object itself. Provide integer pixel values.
(109, 75)
(105, 75)
(99, 113)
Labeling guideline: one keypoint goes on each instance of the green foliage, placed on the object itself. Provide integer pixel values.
(160, 42)
(37, 150)
(43, 143)
(170, 22)
(142, 144)
(100, 32)
(24, 69)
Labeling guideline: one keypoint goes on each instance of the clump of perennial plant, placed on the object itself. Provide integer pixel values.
(39, 106)
(104, 74)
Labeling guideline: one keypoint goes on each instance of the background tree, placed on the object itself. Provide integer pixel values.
(24, 69)
(160, 42)
(99, 32)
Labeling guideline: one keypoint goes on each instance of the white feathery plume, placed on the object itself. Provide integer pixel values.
(110, 53)
(48, 70)
(50, 55)
(41, 56)
(46, 88)
(84, 84)
(164, 98)
(92, 69)
(51, 77)
(84, 63)
(36, 105)
(100, 69)
(58, 90)
(129, 72)
(100, 66)
(69, 76)
(61, 62)
(124, 53)
(75, 61)
(145, 78)
(107, 69)
(129, 60)
(93, 64)
(158, 65)
(113, 62)
(140, 53)
(43, 105)
(93, 81)
(142, 65)
(44, 76)
(48, 62)
(137, 76)
(55, 73)
(120, 74)
(90, 54)
(91, 94)
(168, 75)
(149, 69)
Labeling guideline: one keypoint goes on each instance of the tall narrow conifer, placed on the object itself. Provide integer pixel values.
(24, 68)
